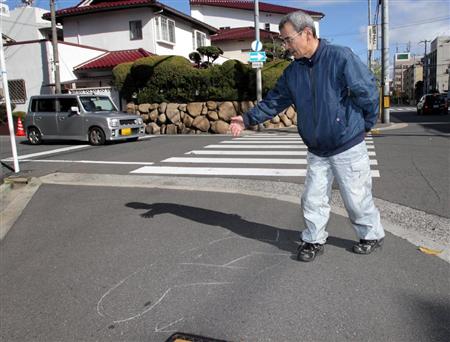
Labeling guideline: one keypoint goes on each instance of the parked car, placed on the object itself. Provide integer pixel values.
(92, 118)
(432, 104)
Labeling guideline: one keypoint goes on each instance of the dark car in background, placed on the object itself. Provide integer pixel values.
(432, 104)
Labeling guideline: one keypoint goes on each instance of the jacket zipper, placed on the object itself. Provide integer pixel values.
(311, 77)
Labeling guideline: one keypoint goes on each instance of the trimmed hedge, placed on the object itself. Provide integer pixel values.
(271, 73)
(159, 79)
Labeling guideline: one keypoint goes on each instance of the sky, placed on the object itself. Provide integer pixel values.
(345, 21)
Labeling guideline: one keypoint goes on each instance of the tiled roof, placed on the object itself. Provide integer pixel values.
(112, 58)
(241, 33)
(249, 5)
(97, 6)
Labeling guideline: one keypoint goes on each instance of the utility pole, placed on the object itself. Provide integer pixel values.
(55, 48)
(369, 51)
(7, 99)
(258, 70)
(385, 59)
(425, 67)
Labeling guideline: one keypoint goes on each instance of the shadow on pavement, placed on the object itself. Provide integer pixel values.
(435, 314)
(283, 239)
(440, 123)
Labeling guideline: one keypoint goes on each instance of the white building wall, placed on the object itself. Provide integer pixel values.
(24, 23)
(233, 49)
(110, 30)
(39, 73)
(224, 17)
(35, 74)
(442, 61)
(70, 56)
(184, 42)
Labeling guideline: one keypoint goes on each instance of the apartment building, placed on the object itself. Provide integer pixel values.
(437, 64)
(412, 75)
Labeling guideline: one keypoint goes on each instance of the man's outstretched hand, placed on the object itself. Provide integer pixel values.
(237, 125)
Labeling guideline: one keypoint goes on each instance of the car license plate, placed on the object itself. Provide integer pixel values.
(125, 131)
(436, 106)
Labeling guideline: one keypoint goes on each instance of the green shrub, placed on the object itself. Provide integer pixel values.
(143, 68)
(123, 81)
(3, 116)
(232, 81)
(170, 80)
(120, 74)
(19, 114)
(159, 79)
(271, 73)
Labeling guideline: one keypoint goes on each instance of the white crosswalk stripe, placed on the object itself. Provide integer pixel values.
(403, 109)
(286, 151)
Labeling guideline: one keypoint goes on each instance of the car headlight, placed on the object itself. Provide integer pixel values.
(139, 121)
(113, 122)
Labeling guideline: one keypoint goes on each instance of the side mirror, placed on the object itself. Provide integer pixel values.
(75, 110)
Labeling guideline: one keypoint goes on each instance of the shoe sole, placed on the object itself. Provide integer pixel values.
(374, 249)
(320, 252)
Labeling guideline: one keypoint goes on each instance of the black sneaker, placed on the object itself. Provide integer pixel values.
(308, 251)
(367, 246)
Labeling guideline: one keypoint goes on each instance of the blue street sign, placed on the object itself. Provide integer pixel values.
(257, 56)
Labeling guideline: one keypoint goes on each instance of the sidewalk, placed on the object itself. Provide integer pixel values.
(110, 263)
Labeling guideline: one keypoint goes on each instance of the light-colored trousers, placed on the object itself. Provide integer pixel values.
(352, 171)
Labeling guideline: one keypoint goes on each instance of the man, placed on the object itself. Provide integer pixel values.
(336, 99)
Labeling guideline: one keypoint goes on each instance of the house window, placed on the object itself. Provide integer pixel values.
(267, 26)
(165, 30)
(17, 91)
(200, 39)
(135, 30)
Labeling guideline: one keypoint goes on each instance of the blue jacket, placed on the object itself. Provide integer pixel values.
(335, 96)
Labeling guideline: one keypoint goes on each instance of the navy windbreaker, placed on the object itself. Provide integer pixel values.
(335, 96)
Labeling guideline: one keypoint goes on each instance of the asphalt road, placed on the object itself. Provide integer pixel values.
(413, 161)
(130, 264)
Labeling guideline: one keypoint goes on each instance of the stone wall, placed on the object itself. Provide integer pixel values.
(200, 117)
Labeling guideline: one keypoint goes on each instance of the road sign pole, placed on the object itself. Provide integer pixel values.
(385, 60)
(258, 70)
(8, 105)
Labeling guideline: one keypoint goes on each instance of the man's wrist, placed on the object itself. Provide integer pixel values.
(245, 120)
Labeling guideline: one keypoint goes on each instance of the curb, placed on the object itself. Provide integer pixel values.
(15, 194)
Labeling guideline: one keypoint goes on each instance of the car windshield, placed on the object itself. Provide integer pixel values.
(97, 104)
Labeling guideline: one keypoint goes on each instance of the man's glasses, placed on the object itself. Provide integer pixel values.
(289, 40)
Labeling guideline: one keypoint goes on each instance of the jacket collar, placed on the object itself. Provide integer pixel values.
(315, 57)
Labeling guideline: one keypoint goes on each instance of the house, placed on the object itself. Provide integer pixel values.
(26, 35)
(97, 36)
(26, 23)
(235, 20)
(133, 24)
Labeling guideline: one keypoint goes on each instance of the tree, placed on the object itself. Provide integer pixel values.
(196, 58)
(211, 53)
(275, 51)
(418, 90)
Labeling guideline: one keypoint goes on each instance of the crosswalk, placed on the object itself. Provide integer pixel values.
(261, 155)
(403, 109)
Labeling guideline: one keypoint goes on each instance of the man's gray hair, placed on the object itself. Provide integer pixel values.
(299, 20)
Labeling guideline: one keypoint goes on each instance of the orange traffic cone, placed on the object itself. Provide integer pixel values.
(20, 131)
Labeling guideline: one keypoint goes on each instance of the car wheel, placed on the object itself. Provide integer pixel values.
(34, 136)
(96, 136)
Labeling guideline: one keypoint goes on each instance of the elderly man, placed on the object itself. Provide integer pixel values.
(336, 98)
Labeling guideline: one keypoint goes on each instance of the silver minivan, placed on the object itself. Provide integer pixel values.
(92, 118)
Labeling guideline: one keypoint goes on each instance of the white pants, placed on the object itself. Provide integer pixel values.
(352, 171)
